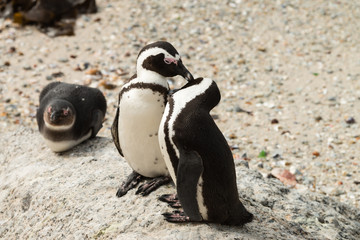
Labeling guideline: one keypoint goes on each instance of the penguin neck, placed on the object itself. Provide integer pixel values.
(203, 93)
(146, 76)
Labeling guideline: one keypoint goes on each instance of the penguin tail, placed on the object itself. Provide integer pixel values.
(239, 217)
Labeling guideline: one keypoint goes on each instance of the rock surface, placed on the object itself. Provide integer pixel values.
(45, 195)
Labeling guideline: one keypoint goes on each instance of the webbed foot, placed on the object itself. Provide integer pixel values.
(152, 185)
(131, 182)
(171, 199)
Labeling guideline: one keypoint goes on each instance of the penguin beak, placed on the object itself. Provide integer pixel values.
(184, 72)
(54, 116)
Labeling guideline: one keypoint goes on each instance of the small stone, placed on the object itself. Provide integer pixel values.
(294, 170)
(239, 109)
(274, 121)
(241, 61)
(318, 118)
(63, 60)
(243, 163)
(27, 67)
(321, 219)
(93, 71)
(107, 85)
(232, 136)
(350, 120)
(12, 49)
(86, 65)
(57, 74)
(276, 155)
(245, 157)
(284, 176)
(261, 49)
(316, 154)
(269, 68)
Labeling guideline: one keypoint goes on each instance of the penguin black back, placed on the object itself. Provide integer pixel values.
(201, 157)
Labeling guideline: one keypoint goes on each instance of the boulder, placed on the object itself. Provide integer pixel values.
(72, 195)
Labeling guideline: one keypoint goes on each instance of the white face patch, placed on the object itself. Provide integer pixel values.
(153, 52)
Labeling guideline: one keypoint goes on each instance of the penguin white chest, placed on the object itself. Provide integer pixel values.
(139, 119)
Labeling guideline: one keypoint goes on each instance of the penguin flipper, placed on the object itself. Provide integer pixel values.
(97, 120)
(189, 171)
(114, 130)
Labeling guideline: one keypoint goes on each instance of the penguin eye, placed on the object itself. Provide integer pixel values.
(170, 60)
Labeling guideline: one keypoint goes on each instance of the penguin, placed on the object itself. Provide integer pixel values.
(141, 104)
(199, 158)
(69, 114)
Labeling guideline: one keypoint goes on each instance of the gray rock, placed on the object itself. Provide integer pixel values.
(72, 194)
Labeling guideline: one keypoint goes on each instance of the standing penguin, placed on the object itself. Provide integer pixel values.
(140, 107)
(69, 114)
(199, 159)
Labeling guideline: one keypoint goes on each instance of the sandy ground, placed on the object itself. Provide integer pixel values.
(295, 65)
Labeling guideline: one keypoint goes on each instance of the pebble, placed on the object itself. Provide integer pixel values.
(27, 67)
(274, 121)
(284, 176)
(63, 60)
(350, 120)
(294, 170)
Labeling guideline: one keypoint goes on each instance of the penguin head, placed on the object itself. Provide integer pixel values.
(59, 115)
(162, 58)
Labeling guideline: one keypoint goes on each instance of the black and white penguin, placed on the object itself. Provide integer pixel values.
(199, 158)
(68, 114)
(141, 105)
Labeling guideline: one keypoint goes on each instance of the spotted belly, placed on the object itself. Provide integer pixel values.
(139, 119)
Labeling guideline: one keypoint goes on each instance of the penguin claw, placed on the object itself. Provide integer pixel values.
(153, 184)
(171, 199)
(176, 217)
(132, 181)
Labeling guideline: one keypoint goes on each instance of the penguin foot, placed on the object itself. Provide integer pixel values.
(176, 217)
(131, 182)
(171, 199)
(152, 185)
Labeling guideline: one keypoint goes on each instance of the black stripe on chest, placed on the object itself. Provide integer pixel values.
(169, 147)
(154, 87)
